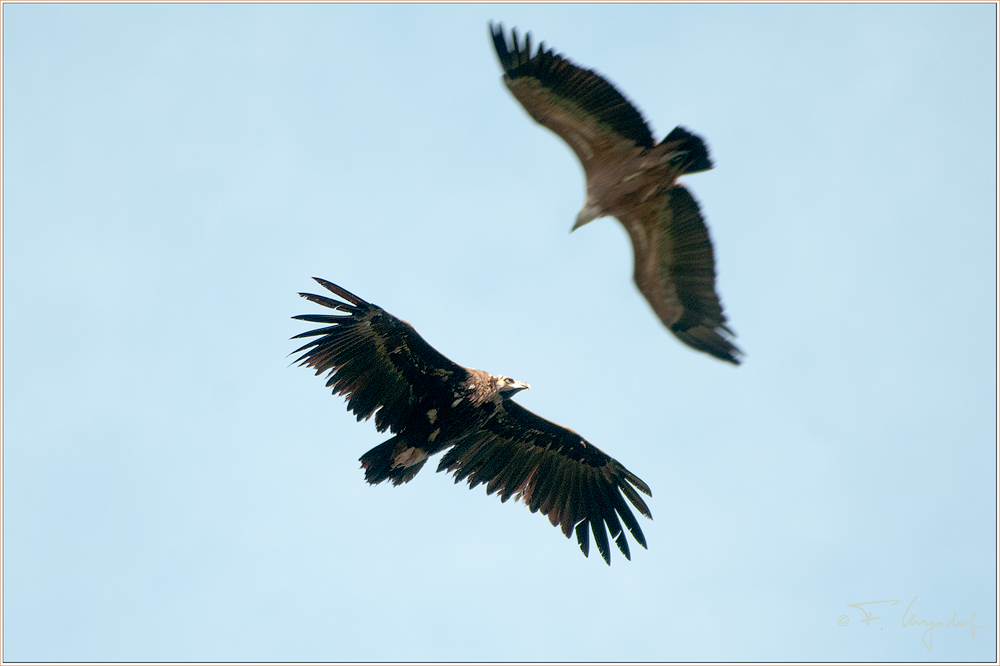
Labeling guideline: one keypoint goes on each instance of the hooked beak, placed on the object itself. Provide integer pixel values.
(510, 390)
(588, 213)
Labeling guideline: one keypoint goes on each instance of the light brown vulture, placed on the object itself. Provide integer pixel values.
(634, 179)
(386, 370)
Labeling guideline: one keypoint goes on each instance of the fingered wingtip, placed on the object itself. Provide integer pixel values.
(325, 283)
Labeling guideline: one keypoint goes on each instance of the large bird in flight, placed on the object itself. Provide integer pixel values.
(386, 370)
(633, 179)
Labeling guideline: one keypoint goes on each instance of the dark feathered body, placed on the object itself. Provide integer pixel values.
(387, 371)
(442, 413)
(634, 179)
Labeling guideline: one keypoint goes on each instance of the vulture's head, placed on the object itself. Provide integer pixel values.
(507, 387)
(590, 212)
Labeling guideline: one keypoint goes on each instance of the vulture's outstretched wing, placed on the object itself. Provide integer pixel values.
(554, 471)
(375, 359)
(577, 104)
(675, 271)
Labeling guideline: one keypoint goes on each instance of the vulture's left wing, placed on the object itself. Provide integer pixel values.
(555, 471)
(377, 360)
(579, 105)
(675, 271)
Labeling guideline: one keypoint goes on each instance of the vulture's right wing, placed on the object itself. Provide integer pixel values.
(377, 360)
(675, 271)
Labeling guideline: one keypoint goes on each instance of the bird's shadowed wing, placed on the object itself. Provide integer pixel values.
(675, 271)
(555, 471)
(577, 104)
(378, 361)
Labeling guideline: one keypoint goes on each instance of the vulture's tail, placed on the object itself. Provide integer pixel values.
(393, 460)
(697, 158)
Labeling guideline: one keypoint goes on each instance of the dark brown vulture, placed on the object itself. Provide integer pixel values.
(431, 404)
(631, 178)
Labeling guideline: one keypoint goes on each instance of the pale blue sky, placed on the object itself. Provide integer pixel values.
(174, 174)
